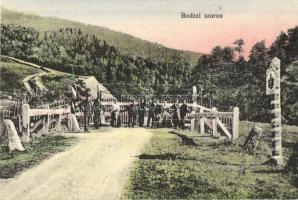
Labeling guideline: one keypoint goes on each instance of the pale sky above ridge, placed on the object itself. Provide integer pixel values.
(160, 20)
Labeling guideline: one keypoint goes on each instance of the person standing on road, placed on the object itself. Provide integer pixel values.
(183, 112)
(87, 106)
(157, 114)
(176, 114)
(141, 112)
(166, 119)
(151, 107)
(132, 114)
(97, 108)
(115, 114)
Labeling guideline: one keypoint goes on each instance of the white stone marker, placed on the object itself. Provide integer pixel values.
(13, 138)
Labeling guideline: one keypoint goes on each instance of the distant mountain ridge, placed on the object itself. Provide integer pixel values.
(127, 44)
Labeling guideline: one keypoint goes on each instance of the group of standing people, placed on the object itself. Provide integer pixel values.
(133, 110)
(92, 108)
(158, 114)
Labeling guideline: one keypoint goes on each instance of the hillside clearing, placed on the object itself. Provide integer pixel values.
(12, 75)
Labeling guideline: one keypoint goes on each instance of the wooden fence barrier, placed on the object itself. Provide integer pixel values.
(217, 122)
(32, 119)
(108, 106)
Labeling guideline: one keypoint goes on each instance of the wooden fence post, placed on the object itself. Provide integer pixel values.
(44, 127)
(48, 125)
(202, 122)
(26, 123)
(20, 123)
(214, 123)
(59, 120)
(192, 124)
(47, 121)
(194, 107)
(235, 128)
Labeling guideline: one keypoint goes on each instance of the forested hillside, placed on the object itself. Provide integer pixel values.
(227, 78)
(231, 80)
(70, 50)
(126, 44)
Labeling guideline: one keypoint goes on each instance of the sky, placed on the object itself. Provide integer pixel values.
(160, 20)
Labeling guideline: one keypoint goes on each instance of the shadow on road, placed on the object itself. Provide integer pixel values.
(185, 140)
(167, 156)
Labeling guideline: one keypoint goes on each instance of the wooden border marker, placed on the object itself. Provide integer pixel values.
(273, 88)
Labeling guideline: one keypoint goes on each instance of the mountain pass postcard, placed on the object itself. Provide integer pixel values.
(148, 99)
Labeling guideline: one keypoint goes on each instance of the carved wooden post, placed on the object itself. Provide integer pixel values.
(273, 88)
(235, 128)
(214, 123)
(26, 123)
(194, 106)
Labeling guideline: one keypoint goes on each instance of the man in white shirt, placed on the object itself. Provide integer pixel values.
(115, 122)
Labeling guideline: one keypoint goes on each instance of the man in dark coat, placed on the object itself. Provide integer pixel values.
(175, 110)
(132, 114)
(87, 106)
(183, 112)
(157, 114)
(97, 108)
(141, 112)
(151, 107)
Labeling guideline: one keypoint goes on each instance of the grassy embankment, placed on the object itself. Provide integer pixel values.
(57, 82)
(37, 150)
(184, 165)
(12, 75)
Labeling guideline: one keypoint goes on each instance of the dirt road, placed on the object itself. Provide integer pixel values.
(96, 168)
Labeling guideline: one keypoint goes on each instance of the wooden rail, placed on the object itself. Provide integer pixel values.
(41, 117)
(225, 122)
